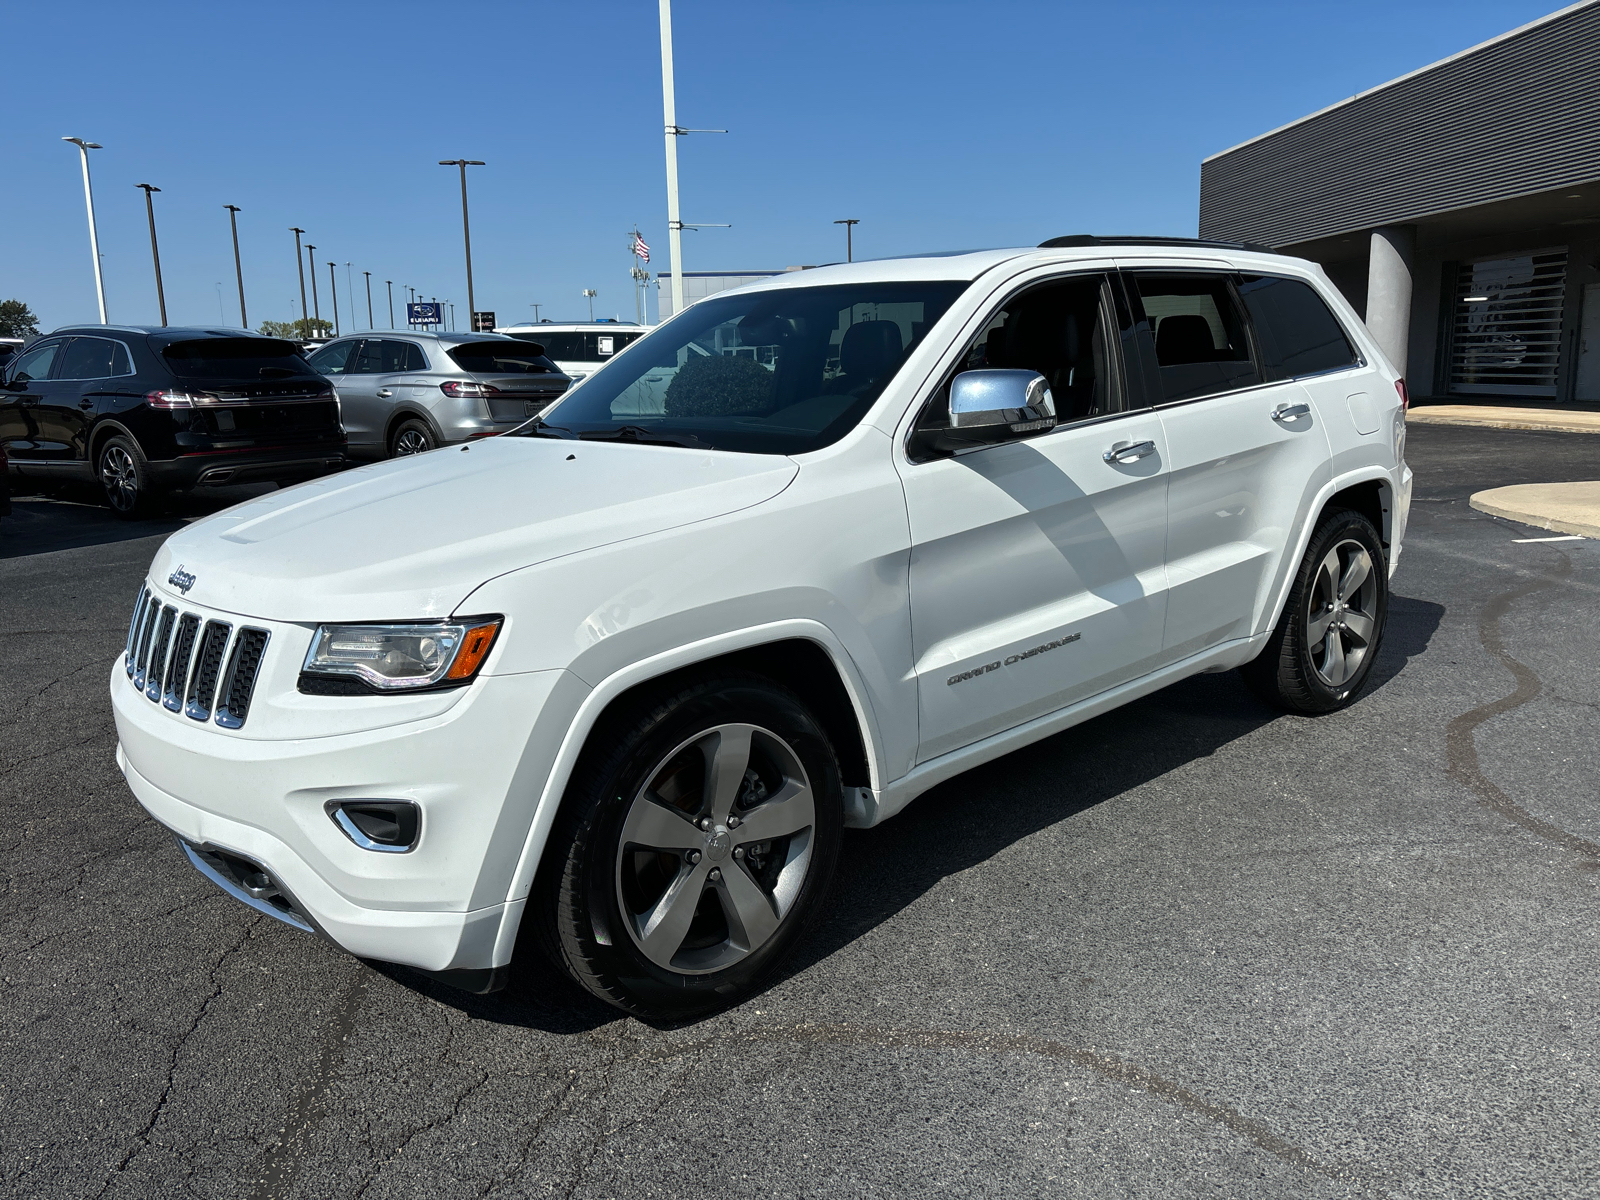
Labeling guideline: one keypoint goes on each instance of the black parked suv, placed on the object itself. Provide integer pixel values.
(144, 410)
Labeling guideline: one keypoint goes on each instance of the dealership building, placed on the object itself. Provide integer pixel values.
(1457, 207)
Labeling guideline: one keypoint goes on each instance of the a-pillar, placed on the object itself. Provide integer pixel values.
(1389, 290)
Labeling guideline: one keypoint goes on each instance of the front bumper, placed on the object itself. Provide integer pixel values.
(442, 907)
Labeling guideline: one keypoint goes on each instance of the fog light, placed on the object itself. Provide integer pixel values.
(387, 826)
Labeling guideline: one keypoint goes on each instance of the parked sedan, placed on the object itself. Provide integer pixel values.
(148, 409)
(404, 393)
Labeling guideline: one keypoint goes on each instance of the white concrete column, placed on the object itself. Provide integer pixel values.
(1389, 290)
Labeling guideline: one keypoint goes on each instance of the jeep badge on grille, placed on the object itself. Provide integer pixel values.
(181, 579)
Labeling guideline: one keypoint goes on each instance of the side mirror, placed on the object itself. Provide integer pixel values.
(989, 407)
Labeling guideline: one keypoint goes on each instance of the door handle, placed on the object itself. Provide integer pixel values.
(1129, 453)
(85, 404)
(1289, 412)
(385, 392)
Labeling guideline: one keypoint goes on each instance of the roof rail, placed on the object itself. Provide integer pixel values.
(1090, 239)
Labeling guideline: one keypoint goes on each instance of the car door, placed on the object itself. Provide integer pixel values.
(1247, 455)
(86, 371)
(1037, 574)
(28, 384)
(338, 361)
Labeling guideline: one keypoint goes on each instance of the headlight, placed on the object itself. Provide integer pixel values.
(400, 657)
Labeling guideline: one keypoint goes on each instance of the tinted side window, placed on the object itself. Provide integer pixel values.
(334, 359)
(121, 364)
(386, 357)
(35, 363)
(1297, 332)
(560, 345)
(1200, 343)
(1065, 330)
(86, 358)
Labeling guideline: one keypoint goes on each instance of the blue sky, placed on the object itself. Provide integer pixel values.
(939, 125)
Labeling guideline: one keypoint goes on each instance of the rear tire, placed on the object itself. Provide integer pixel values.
(412, 437)
(1321, 652)
(696, 843)
(124, 477)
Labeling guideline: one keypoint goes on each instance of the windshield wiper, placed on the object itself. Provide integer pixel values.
(537, 427)
(638, 433)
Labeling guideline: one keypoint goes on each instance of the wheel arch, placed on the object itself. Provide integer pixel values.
(103, 432)
(802, 652)
(1368, 491)
(403, 414)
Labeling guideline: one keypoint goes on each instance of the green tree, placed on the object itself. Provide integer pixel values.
(17, 319)
(297, 330)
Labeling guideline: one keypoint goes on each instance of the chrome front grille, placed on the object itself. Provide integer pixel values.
(179, 665)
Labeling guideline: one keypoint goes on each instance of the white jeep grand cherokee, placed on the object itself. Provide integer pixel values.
(610, 687)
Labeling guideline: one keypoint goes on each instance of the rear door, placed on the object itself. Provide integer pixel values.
(85, 372)
(1248, 456)
(1037, 576)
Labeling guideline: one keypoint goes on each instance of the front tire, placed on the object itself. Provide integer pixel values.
(696, 843)
(1321, 652)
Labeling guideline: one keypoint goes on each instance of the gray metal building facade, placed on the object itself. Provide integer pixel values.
(1457, 207)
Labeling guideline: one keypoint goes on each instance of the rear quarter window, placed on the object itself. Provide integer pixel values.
(1298, 333)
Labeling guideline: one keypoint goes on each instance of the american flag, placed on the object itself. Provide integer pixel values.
(640, 250)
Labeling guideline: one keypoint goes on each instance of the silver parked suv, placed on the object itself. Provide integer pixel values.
(403, 393)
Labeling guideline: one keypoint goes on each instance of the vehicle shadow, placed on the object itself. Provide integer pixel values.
(969, 819)
(69, 518)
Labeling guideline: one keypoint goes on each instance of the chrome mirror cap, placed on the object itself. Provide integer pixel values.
(1001, 403)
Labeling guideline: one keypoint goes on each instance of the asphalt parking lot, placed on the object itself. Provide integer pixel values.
(1193, 948)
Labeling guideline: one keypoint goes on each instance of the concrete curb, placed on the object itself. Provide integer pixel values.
(1484, 417)
(1558, 507)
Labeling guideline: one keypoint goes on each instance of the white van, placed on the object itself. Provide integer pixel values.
(580, 348)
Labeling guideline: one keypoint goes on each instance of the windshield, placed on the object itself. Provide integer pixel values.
(236, 359)
(772, 372)
(502, 358)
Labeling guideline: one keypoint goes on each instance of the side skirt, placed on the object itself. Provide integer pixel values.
(867, 808)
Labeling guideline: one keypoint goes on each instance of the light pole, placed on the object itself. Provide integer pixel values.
(94, 238)
(452, 316)
(849, 228)
(389, 283)
(155, 254)
(368, 274)
(300, 262)
(238, 269)
(669, 108)
(316, 305)
(536, 308)
(350, 295)
(466, 229)
(590, 294)
(333, 290)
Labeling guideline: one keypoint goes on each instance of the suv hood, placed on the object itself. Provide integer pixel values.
(413, 537)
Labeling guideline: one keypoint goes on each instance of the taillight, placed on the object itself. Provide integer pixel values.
(1405, 397)
(171, 398)
(459, 387)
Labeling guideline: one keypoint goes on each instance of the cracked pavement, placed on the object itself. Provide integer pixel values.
(1192, 948)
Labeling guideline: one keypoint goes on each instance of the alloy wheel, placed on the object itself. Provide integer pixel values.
(412, 441)
(1340, 620)
(715, 848)
(120, 478)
